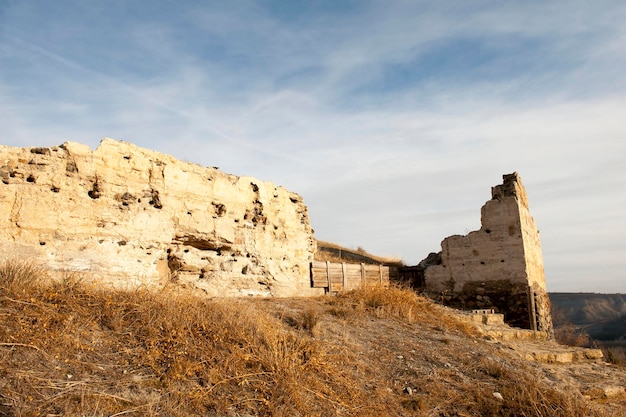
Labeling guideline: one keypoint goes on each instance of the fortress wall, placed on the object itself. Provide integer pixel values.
(127, 217)
(499, 266)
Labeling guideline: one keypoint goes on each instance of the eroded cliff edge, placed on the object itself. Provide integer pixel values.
(128, 217)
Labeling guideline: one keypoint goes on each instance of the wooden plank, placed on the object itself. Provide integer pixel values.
(320, 282)
(394, 273)
(363, 281)
(318, 274)
(327, 273)
(318, 264)
(343, 276)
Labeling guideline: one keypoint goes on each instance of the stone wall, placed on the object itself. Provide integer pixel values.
(499, 266)
(126, 216)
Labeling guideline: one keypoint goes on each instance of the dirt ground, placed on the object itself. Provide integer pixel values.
(409, 356)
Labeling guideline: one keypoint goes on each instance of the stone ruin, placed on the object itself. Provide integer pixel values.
(128, 217)
(498, 267)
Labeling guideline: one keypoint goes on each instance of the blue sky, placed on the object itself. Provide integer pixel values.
(392, 118)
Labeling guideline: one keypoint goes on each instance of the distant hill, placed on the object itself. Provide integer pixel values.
(602, 316)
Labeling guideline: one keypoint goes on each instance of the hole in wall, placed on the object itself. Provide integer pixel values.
(42, 243)
(155, 200)
(30, 178)
(94, 193)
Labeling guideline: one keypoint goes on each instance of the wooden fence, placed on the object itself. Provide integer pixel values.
(342, 276)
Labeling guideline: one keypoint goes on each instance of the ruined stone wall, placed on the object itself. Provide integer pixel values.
(128, 217)
(499, 266)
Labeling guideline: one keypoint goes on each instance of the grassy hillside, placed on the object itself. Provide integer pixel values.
(587, 308)
(72, 350)
(601, 316)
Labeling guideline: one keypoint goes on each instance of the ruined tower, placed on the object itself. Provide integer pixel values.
(499, 266)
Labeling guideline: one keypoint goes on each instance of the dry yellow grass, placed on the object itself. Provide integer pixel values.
(321, 255)
(67, 349)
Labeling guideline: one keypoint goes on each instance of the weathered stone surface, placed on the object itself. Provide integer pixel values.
(129, 217)
(499, 266)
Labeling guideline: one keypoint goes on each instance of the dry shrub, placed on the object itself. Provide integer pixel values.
(19, 276)
(493, 368)
(523, 394)
(572, 336)
(614, 351)
(399, 303)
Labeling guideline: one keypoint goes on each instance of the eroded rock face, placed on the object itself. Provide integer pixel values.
(127, 216)
(499, 266)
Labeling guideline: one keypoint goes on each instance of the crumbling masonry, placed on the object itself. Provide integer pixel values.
(129, 217)
(498, 267)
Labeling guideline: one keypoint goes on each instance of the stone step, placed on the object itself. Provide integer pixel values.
(604, 392)
(487, 317)
(560, 354)
(512, 334)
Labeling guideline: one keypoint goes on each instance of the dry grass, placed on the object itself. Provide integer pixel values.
(67, 349)
(571, 335)
(326, 256)
(614, 351)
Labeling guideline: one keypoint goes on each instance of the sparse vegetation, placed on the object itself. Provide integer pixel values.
(74, 350)
(571, 335)
(614, 351)
(327, 251)
(591, 320)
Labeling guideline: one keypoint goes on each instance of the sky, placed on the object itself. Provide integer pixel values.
(392, 118)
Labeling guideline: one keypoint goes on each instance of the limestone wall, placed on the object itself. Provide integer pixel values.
(499, 266)
(127, 216)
